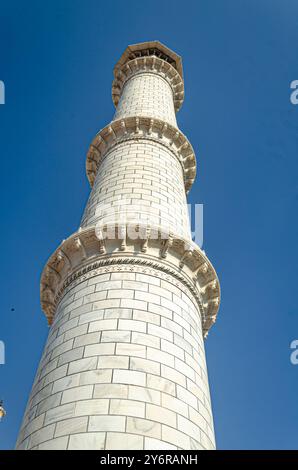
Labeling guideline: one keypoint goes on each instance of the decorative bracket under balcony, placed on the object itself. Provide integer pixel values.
(150, 64)
(142, 128)
(88, 249)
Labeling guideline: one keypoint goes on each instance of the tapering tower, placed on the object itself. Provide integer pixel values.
(129, 296)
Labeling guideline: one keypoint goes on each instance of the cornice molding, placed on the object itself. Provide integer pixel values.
(88, 250)
(135, 128)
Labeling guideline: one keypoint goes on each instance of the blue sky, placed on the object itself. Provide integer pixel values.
(239, 56)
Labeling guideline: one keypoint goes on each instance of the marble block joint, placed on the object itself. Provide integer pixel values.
(124, 364)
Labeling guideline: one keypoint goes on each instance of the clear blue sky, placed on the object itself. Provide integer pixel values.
(56, 59)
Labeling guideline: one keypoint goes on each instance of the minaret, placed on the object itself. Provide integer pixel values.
(129, 296)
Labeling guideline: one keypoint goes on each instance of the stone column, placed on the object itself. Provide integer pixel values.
(129, 300)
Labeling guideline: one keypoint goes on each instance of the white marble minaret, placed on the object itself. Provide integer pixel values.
(129, 296)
